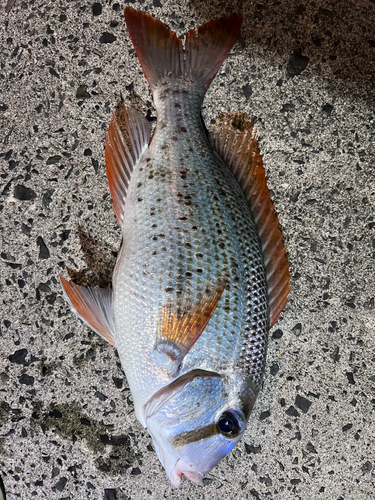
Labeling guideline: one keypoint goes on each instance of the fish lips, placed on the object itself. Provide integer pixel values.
(181, 467)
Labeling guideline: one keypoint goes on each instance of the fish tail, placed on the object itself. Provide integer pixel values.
(163, 55)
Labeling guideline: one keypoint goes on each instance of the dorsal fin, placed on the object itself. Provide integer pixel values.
(182, 321)
(234, 139)
(162, 54)
(128, 136)
(94, 306)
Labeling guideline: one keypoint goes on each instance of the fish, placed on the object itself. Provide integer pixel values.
(202, 273)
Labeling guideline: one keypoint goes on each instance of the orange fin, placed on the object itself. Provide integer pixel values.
(94, 306)
(162, 55)
(127, 138)
(235, 140)
(182, 322)
(207, 48)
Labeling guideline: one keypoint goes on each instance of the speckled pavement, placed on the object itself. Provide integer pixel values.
(305, 71)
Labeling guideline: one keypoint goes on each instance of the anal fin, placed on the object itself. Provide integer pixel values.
(234, 139)
(94, 306)
(128, 136)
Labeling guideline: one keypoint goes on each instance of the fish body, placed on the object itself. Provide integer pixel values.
(190, 308)
(186, 225)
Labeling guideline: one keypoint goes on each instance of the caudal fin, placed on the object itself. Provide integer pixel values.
(162, 55)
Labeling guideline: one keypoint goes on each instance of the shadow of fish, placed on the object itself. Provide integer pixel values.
(2, 490)
(202, 273)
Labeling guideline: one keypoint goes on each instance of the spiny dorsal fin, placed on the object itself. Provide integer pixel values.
(94, 306)
(128, 136)
(182, 322)
(162, 55)
(234, 139)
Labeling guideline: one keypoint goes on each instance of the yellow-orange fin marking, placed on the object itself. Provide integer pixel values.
(182, 322)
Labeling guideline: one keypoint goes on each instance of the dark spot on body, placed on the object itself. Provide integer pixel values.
(188, 275)
(183, 129)
(199, 255)
(169, 289)
(140, 199)
(164, 146)
(177, 105)
(182, 218)
(174, 138)
(199, 271)
(139, 184)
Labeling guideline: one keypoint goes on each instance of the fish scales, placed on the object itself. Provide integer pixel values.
(179, 206)
(202, 268)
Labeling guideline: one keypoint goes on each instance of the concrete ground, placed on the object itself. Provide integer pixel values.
(304, 70)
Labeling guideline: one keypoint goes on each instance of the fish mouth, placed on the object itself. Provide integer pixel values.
(179, 468)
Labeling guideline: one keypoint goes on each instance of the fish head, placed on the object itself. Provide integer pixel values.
(196, 421)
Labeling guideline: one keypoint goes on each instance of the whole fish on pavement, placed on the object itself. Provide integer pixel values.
(202, 273)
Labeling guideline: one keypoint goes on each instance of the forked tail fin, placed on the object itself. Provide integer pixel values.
(163, 56)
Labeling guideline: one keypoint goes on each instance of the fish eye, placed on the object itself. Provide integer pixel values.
(229, 425)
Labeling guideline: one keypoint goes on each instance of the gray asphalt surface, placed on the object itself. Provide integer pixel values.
(304, 70)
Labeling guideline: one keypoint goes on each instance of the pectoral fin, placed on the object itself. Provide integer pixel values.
(94, 306)
(181, 323)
